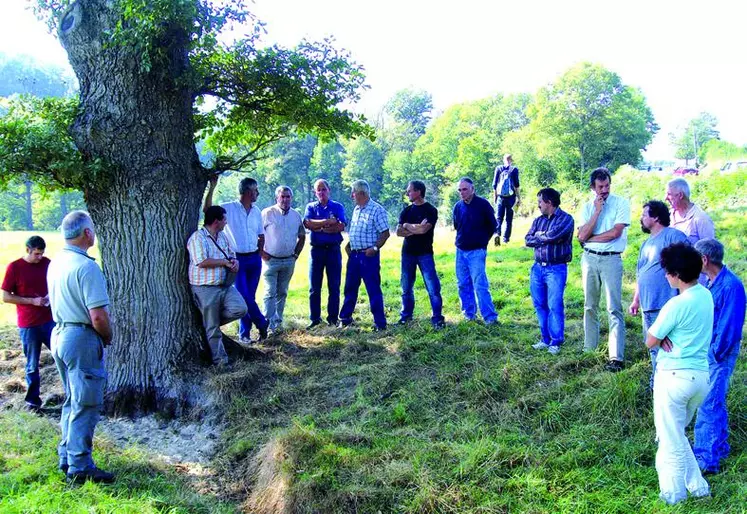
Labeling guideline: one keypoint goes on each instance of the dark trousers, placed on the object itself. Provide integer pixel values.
(505, 208)
(367, 269)
(247, 280)
(427, 266)
(329, 258)
(32, 339)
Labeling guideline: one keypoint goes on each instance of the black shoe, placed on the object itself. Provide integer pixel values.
(333, 323)
(63, 467)
(314, 323)
(378, 329)
(505, 241)
(404, 321)
(262, 333)
(93, 474)
(497, 241)
(614, 366)
(440, 325)
(343, 323)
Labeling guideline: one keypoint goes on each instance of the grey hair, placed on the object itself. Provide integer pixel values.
(321, 181)
(712, 249)
(282, 189)
(681, 185)
(74, 223)
(361, 186)
(246, 184)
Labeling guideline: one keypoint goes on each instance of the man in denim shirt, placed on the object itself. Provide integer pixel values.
(416, 224)
(712, 425)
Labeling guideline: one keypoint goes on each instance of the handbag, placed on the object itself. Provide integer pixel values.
(230, 275)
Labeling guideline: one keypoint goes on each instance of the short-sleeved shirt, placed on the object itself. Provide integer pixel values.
(687, 319)
(653, 289)
(419, 244)
(474, 223)
(695, 224)
(281, 230)
(29, 281)
(317, 211)
(76, 285)
(506, 180)
(200, 247)
(616, 211)
(243, 227)
(366, 224)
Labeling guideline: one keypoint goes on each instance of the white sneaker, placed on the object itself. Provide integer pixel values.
(554, 350)
(540, 346)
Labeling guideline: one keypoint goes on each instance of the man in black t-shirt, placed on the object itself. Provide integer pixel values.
(416, 223)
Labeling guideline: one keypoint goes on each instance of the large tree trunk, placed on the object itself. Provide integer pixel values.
(29, 206)
(145, 205)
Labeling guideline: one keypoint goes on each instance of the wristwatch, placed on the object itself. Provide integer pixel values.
(375, 248)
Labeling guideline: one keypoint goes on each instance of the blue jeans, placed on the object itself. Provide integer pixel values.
(360, 267)
(32, 339)
(473, 281)
(79, 355)
(505, 208)
(649, 317)
(547, 285)
(329, 258)
(250, 268)
(712, 424)
(427, 266)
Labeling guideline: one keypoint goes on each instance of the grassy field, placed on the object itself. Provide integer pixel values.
(468, 419)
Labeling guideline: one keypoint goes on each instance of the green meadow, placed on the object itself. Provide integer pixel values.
(466, 419)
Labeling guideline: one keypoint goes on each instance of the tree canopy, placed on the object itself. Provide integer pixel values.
(689, 140)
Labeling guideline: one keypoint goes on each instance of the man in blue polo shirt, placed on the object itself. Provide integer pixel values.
(712, 425)
(325, 219)
(551, 236)
(603, 235)
(475, 224)
(369, 230)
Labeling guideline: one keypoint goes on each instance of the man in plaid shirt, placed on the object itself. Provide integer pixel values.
(210, 260)
(368, 231)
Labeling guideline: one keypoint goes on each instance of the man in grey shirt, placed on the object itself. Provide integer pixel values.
(79, 302)
(652, 290)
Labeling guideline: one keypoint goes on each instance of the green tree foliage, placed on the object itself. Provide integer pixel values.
(689, 140)
(589, 118)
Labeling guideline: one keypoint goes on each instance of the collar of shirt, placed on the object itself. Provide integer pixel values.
(75, 249)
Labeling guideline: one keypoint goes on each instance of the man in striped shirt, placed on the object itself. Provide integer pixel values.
(211, 258)
(551, 236)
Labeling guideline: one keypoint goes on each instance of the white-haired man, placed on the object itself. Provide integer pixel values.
(688, 217)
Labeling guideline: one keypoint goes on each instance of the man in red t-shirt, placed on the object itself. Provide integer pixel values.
(25, 284)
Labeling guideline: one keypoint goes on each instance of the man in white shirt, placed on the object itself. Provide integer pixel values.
(604, 235)
(247, 238)
(285, 237)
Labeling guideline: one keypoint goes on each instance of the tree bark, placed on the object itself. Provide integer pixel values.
(145, 206)
(29, 206)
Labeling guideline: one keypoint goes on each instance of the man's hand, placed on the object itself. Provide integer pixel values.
(213, 181)
(347, 249)
(40, 301)
(518, 202)
(370, 252)
(634, 306)
(233, 265)
(599, 203)
(265, 256)
(666, 344)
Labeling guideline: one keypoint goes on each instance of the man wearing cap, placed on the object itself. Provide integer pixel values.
(604, 236)
(79, 302)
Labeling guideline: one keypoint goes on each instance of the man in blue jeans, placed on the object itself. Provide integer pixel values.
(505, 196)
(475, 225)
(369, 230)
(25, 285)
(246, 236)
(416, 223)
(551, 236)
(712, 424)
(79, 301)
(326, 220)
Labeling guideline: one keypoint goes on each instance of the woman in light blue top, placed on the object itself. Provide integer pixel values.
(683, 331)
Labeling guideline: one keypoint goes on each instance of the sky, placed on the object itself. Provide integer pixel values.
(686, 56)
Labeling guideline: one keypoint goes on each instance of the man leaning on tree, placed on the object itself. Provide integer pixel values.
(25, 285)
(604, 236)
(247, 239)
(79, 302)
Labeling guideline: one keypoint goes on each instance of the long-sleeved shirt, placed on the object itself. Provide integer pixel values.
(552, 237)
(475, 223)
(728, 316)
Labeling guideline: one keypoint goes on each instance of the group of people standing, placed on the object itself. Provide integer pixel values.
(693, 332)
